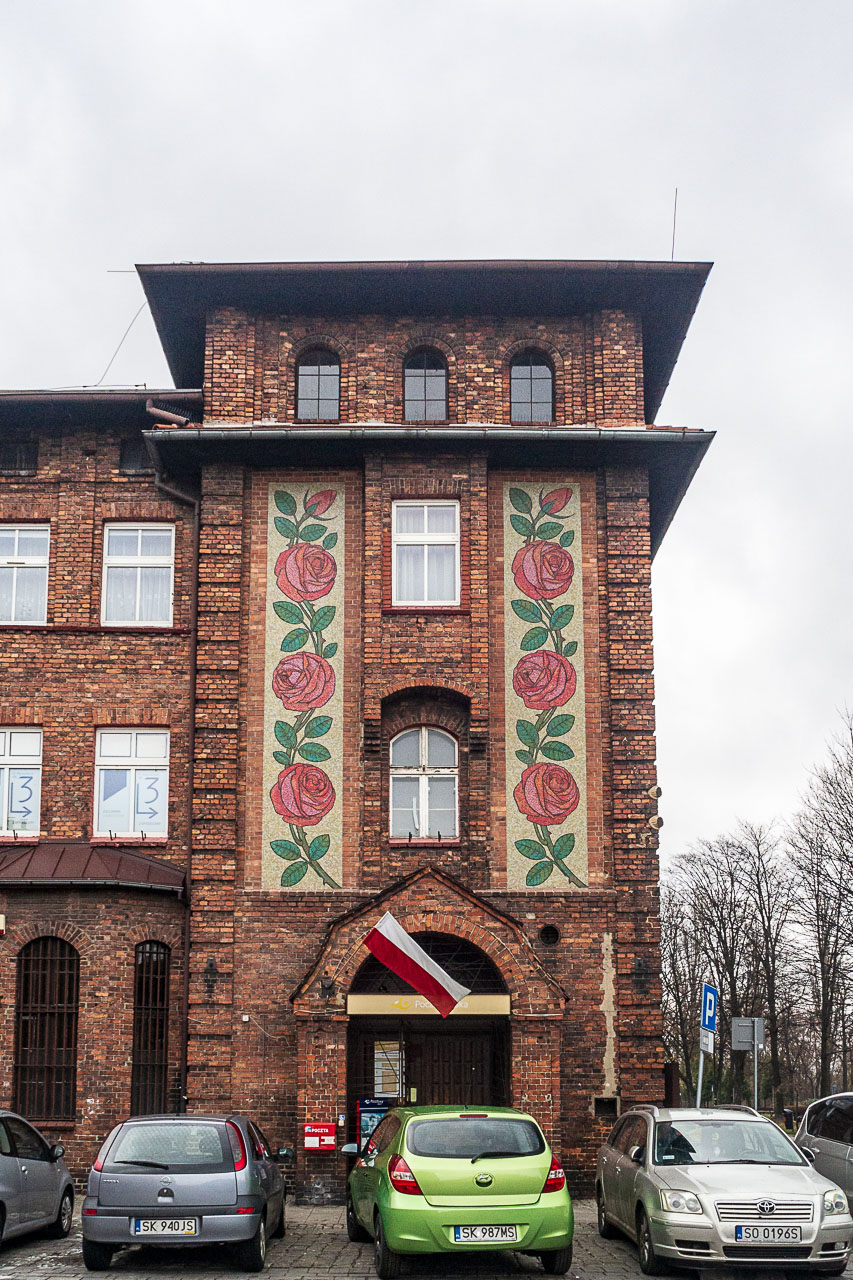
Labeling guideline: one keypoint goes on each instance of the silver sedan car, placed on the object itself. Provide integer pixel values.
(35, 1187)
(718, 1186)
(183, 1180)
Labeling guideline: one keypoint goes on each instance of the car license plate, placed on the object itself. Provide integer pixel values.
(484, 1235)
(768, 1234)
(165, 1226)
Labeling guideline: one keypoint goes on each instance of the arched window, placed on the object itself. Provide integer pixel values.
(48, 996)
(424, 785)
(318, 386)
(150, 1028)
(425, 388)
(531, 388)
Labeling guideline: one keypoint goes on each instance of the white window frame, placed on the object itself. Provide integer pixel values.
(133, 764)
(138, 561)
(16, 562)
(423, 772)
(425, 540)
(11, 757)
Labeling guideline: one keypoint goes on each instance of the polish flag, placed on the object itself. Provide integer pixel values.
(399, 952)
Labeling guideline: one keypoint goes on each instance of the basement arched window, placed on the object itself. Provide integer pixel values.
(424, 785)
(46, 1007)
(150, 1028)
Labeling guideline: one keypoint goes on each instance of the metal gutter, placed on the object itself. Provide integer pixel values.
(369, 431)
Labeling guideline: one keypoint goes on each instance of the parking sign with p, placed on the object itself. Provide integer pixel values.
(710, 1000)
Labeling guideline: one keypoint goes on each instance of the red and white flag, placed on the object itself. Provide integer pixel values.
(399, 952)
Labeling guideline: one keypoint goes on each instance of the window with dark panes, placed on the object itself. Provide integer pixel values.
(150, 1028)
(318, 386)
(48, 992)
(531, 389)
(425, 388)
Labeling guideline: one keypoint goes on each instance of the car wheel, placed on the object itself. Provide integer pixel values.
(61, 1224)
(280, 1225)
(605, 1230)
(355, 1231)
(385, 1260)
(650, 1263)
(251, 1254)
(97, 1257)
(557, 1261)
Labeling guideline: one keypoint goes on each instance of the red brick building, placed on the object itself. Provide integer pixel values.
(357, 620)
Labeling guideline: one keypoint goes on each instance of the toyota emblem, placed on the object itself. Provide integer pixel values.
(766, 1207)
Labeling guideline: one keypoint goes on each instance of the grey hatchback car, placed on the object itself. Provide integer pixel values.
(184, 1180)
(36, 1190)
(826, 1133)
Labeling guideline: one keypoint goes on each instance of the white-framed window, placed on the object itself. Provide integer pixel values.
(425, 549)
(139, 563)
(24, 553)
(131, 782)
(20, 781)
(424, 785)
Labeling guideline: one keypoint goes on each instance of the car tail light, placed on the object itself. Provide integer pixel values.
(402, 1178)
(89, 1213)
(238, 1146)
(249, 1210)
(556, 1179)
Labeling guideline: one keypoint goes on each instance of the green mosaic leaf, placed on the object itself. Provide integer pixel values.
(293, 874)
(561, 617)
(527, 611)
(557, 751)
(527, 732)
(571, 648)
(567, 538)
(540, 872)
(330, 541)
(314, 751)
(288, 612)
(534, 638)
(286, 528)
(319, 847)
(521, 500)
(294, 640)
(281, 758)
(285, 849)
(323, 617)
(559, 725)
(285, 733)
(530, 849)
(330, 650)
(549, 529)
(312, 532)
(318, 726)
(522, 525)
(285, 502)
(524, 756)
(564, 846)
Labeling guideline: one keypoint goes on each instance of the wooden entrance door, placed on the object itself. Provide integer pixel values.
(453, 1067)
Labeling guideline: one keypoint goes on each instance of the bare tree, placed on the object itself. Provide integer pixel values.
(681, 978)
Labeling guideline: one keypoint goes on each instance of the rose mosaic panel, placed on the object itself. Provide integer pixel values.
(303, 682)
(544, 681)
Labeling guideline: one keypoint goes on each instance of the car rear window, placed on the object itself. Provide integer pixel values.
(463, 1138)
(181, 1146)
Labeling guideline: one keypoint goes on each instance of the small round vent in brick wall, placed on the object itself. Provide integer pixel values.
(549, 935)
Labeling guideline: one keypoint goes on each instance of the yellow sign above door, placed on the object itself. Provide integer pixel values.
(408, 1005)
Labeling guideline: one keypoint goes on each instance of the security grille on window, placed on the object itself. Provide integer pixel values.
(150, 1029)
(318, 389)
(138, 570)
(131, 782)
(531, 389)
(425, 388)
(24, 551)
(48, 992)
(20, 781)
(19, 457)
(426, 553)
(424, 775)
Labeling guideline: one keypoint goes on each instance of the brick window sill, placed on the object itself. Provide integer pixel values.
(30, 837)
(453, 610)
(424, 843)
(116, 842)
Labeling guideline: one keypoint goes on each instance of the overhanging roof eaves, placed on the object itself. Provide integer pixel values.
(664, 294)
(81, 864)
(85, 405)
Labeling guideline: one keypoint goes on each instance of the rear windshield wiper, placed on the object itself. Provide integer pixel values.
(497, 1155)
(143, 1164)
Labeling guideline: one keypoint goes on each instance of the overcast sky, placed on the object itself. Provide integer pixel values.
(136, 131)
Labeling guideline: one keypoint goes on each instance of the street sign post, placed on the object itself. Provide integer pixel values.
(748, 1037)
(707, 1027)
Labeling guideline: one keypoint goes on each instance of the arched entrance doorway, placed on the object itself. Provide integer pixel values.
(399, 1050)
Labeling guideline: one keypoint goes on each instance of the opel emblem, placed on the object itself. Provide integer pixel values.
(766, 1207)
(483, 1179)
(163, 1179)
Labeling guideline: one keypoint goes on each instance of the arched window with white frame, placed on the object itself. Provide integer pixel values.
(424, 770)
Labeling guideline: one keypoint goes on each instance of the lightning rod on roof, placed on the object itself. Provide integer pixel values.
(674, 212)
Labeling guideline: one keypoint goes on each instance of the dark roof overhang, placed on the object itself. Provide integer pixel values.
(80, 864)
(82, 407)
(663, 294)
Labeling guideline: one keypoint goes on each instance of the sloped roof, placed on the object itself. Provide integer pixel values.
(80, 863)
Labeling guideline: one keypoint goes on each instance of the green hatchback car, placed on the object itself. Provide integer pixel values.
(445, 1179)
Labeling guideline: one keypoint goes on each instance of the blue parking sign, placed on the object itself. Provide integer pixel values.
(710, 1000)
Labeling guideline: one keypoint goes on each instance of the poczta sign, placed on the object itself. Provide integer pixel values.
(319, 1137)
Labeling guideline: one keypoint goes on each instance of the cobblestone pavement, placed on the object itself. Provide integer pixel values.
(316, 1245)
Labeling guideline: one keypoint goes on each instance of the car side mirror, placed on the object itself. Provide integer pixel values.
(809, 1154)
(637, 1154)
(349, 1149)
(285, 1155)
(57, 1151)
